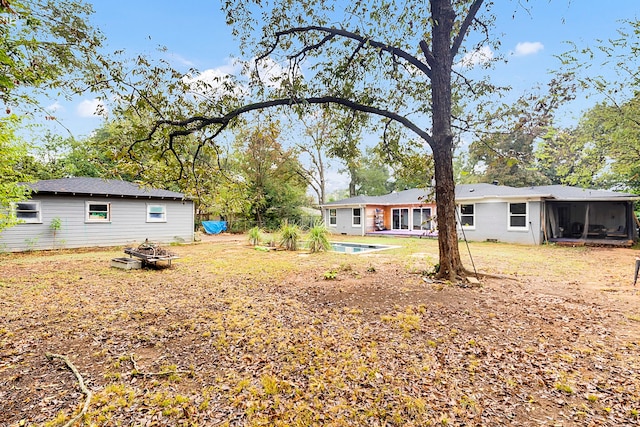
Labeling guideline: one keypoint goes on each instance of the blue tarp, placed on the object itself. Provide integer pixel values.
(214, 227)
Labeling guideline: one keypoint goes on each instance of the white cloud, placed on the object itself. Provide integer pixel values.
(213, 82)
(91, 108)
(270, 72)
(55, 108)
(478, 56)
(234, 77)
(528, 48)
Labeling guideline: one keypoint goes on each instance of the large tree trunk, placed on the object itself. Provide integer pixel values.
(450, 262)
(442, 144)
(352, 181)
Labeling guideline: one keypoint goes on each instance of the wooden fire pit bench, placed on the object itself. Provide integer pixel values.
(151, 254)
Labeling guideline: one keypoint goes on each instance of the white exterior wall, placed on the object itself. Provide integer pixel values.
(128, 224)
(492, 223)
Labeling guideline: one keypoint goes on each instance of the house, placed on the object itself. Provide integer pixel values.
(527, 215)
(408, 212)
(84, 212)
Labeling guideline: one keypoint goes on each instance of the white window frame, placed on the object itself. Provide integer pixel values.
(400, 217)
(354, 216)
(37, 210)
(473, 215)
(163, 217)
(333, 217)
(87, 212)
(510, 215)
(419, 224)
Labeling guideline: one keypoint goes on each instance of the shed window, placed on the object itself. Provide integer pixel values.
(518, 216)
(156, 213)
(357, 217)
(28, 212)
(98, 212)
(468, 216)
(333, 217)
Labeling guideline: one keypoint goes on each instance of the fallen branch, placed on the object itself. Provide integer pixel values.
(83, 387)
(137, 373)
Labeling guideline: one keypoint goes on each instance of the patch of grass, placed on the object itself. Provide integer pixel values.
(330, 275)
(563, 387)
(633, 317)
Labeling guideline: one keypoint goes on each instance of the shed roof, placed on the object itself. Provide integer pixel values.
(101, 187)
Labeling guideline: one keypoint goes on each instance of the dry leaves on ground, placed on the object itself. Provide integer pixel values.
(233, 336)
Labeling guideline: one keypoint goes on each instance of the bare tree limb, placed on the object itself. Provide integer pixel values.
(83, 387)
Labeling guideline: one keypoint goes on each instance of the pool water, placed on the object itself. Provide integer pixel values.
(354, 248)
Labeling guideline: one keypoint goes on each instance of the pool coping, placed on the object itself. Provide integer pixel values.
(377, 249)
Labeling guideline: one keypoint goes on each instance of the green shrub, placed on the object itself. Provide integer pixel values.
(289, 236)
(255, 236)
(319, 238)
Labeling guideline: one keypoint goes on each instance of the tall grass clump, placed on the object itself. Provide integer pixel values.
(255, 236)
(318, 239)
(289, 236)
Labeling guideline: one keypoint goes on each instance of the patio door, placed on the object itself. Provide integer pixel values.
(422, 219)
(400, 219)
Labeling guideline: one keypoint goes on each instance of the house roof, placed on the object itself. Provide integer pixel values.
(482, 191)
(564, 192)
(100, 187)
(490, 191)
(406, 197)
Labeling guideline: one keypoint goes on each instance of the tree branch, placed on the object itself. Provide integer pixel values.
(333, 32)
(197, 123)
(83, 387)
(428, 55)
(459, 38)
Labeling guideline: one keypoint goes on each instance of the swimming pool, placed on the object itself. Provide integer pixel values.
(358, 248)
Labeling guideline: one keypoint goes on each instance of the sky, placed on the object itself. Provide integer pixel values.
(195, 35)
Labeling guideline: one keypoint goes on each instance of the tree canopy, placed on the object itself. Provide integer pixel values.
(46, 45)
(379, 60)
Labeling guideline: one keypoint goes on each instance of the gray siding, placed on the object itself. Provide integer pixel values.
(344, 222)
(128, 224)
(492, 223)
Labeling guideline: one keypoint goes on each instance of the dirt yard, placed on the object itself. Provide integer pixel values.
(233, 336)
